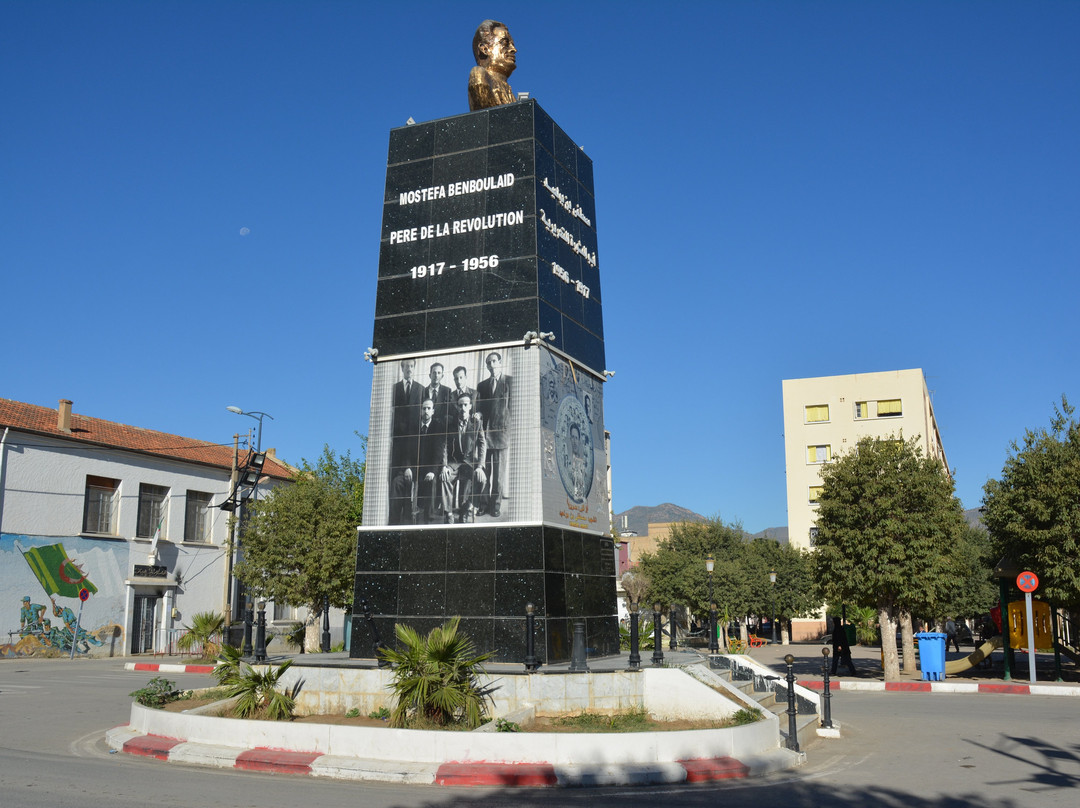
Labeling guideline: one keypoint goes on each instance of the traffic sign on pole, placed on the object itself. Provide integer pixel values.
(1027, 581)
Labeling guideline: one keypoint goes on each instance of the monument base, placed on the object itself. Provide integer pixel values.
(486, 574)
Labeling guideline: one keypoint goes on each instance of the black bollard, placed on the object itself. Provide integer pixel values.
(260, 634)
(249, 619)
(635, 643)
(714, 644)
(792, 728)
(826, 697)
(325, 644)
(531, 662)
(672, 623)
(658, 640)
(577, 655)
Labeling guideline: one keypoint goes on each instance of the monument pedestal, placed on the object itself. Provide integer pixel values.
(486, 575)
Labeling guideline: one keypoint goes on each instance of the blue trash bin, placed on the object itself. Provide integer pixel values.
(932, 654)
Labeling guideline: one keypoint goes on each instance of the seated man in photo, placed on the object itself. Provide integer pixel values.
(463, 474)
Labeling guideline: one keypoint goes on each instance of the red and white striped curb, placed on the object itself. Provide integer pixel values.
(471, 773)
(166, 667)
(1006, 688)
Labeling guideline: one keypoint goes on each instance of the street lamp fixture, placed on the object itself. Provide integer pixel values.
(772, 580)
(258, 416)
(714, 645)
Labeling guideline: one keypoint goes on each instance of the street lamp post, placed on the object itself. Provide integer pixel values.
(714, 646)
(258, 416)
(772, 580)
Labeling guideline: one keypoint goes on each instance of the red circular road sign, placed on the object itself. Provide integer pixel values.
(84, 594)
(1027, 581)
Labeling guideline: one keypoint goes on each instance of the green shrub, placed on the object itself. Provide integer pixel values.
(382, 714)
(353, 713)
(502, 725)
(157, 692)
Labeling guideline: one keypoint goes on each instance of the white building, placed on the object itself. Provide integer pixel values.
(827, 416)
(81, 502)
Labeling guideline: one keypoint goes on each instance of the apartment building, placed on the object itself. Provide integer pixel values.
(826, 416)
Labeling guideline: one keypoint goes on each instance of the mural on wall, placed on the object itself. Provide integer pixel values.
(49, 622)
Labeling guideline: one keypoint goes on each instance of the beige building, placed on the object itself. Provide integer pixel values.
(826, 416)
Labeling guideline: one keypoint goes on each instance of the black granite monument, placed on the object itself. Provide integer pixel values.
(487, 467)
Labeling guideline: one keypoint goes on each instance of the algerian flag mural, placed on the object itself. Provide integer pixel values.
(57, 573)
(52, 622)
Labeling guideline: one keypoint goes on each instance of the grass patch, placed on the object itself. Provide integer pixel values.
(632, 721)
(746, 716)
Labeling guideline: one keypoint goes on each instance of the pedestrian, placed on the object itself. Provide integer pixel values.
(950, 634)
(840, 647)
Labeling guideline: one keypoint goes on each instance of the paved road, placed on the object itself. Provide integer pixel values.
(899, 750)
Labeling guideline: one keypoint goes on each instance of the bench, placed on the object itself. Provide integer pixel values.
(757, 642)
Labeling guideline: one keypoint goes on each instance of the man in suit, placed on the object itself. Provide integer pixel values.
(405, 414)
(461, 385)
(430, 459)
(466, 451)
(493, 404)
(437, 391)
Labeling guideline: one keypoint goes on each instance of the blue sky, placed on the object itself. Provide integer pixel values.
(784, 189)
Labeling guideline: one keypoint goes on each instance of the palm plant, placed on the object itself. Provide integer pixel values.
(437, 678)
(645, 636)
(865, 619)
(257, 690)
(204, 634)
(227, 671)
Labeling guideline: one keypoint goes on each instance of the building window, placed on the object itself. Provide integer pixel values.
(818, 454)
(862, 409)
(815, 494)
(197, 517)
(99, 510)
(283, 612)
(889, 408)
(816, 413)
(153, 511)
(813, 537)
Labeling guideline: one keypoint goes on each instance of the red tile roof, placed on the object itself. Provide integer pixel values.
(84, 429)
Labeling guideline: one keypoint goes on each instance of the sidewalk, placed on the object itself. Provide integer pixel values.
(808, 672)
(807, 669)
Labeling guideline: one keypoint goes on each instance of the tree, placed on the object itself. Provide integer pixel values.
(887, 517)
(972, 591)
(299, 545)
(793, 594)
(741, 570)
(677, 568)
(1033, 511)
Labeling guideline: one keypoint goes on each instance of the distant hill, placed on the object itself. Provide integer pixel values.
(775, 533)
(974, 518)
(637, 519)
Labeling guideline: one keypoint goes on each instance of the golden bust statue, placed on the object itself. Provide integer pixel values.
(494, 50)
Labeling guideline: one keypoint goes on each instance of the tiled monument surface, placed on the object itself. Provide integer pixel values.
(489, 237)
